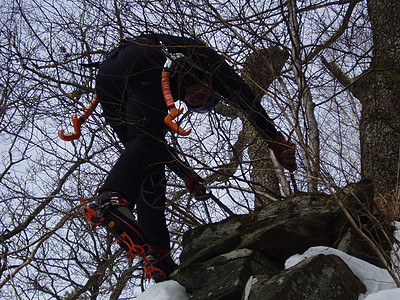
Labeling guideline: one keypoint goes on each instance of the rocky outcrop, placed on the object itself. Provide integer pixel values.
(219, 260)
(231, 271)
(318, 277)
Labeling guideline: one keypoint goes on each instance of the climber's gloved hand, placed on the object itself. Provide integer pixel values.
(196, 187)
(285, 152)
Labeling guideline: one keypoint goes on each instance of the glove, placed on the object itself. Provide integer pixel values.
(285, 152)
(197, 189)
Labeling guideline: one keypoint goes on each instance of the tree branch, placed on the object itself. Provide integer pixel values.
(336, 35)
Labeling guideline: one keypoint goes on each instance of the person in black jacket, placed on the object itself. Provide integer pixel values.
(128, 86)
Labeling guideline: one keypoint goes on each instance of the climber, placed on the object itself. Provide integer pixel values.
(128, 86)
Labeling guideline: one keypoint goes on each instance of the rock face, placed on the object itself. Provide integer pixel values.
(231, 271)
(218, 259)
(319, 277)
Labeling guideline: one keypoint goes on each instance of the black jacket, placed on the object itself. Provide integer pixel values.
(137, 64)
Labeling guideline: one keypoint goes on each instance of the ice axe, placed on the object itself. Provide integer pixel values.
(219, 203)
(169, 100)
(77, 122)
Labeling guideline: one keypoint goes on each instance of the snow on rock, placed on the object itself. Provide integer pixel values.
(391, 294)
(375, 278)
(167, 290)
(247, 289)
(396, 253)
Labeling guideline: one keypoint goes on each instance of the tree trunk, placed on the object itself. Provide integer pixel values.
(262, 67)
(380, 115)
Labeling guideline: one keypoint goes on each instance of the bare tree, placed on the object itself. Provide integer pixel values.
(48, 250)
(377, 88)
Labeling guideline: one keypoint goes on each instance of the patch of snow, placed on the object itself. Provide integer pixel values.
(391, 294)
(166, 290)
(375, 278)
(248, 286)
(237, 254)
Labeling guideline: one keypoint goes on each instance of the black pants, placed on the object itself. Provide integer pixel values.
(139, 173)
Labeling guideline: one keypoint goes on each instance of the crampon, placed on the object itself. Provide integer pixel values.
(135, 250)
(132, 239)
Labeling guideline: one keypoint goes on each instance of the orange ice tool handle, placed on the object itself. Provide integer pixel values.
(173, 111)
(77, 122)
